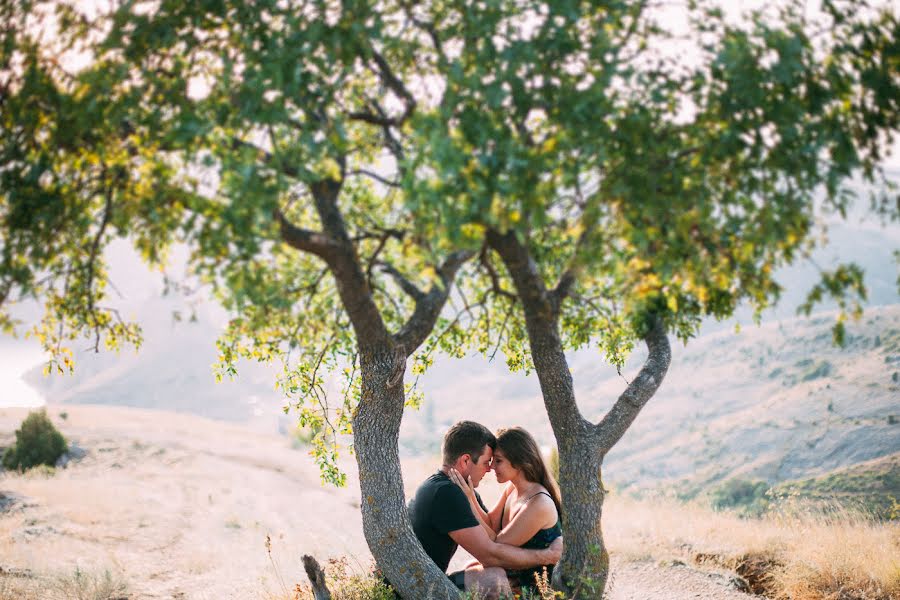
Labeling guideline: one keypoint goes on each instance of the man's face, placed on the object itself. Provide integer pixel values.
(478, 469)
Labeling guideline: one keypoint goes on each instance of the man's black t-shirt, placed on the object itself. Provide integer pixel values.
(438, 508)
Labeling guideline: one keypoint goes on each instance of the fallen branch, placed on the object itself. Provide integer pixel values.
(316, 577)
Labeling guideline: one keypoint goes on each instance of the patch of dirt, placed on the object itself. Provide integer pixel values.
(755, 570)
(674, 581)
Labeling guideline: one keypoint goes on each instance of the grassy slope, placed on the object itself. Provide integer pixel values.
(873, 485)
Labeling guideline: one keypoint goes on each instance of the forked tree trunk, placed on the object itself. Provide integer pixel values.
(386, 525)
(376, 422)
(584, 568)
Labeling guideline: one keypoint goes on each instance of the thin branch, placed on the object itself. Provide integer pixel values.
(372, 119)
(428, 307)
(485, 261)
(394, 83)
(376, 177)
(92, 259)
(567, 280)
(390, 297)
(405, 284)
(509, 312)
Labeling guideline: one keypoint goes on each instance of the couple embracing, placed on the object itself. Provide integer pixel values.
(512, 542)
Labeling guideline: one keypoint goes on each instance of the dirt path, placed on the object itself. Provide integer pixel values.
(652, 581)
(180, 507)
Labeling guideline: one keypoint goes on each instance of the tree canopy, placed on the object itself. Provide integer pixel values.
(334, 167)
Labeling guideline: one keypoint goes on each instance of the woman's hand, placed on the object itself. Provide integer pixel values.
(466, 486)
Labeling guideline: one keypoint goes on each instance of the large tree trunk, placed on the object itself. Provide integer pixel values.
(385, 522)
(584, 568)
(376, 423)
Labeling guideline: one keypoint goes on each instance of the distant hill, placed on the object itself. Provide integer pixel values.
(873, 485)
(172, 372)
(776, 402)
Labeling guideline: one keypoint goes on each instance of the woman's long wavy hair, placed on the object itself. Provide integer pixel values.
(523, 453)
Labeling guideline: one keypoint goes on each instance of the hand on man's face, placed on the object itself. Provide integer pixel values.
(477, 470)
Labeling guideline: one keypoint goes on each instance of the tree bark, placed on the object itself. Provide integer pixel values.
(386, 525)
(376, 422)
(584, 567)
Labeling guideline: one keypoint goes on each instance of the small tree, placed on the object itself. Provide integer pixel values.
(38, 442)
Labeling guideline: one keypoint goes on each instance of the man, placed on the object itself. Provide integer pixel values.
(443, 521)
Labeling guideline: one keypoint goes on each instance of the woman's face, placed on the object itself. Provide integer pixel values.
(503, 470)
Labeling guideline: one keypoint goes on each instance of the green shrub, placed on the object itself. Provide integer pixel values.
(38, 442)
(748, 497)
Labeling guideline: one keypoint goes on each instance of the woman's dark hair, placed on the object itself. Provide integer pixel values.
(466, 437)
(523, 453)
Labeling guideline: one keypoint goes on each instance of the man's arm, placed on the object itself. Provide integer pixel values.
(491, 554)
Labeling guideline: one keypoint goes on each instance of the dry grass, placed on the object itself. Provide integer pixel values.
(797, 554)
(78, 585)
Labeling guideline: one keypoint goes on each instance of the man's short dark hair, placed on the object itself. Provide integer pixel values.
(466, 437)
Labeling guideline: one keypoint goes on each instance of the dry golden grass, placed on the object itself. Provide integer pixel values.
(78, 585)
(797, 554)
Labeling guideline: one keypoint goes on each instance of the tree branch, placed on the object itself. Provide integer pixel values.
(623, 413)
(567, 280)
(496, 288)
(523, 270)
(376, 177)
(394, 83)
(427, 27)
(428, 307)
(345, 265)
(542, 324)
(314, 242)
(408, 287)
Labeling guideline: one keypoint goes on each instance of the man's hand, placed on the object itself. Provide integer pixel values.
(556, 547)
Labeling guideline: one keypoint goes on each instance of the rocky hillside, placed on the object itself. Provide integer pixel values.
(872, 485)
(775, 403)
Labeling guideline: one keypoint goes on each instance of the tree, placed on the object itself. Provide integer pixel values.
(263, 173)
(336, 167)
(651, 191)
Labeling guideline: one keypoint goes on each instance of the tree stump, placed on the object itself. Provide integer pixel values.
(316, 577)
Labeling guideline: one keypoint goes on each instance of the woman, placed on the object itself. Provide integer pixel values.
(527, 513)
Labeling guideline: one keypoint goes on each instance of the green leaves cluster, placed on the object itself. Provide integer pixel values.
(38, 442)
(646, 183)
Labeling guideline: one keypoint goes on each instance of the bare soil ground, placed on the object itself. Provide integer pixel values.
(180, 507)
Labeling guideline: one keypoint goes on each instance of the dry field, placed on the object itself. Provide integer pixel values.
(173, 506)
(795, 554)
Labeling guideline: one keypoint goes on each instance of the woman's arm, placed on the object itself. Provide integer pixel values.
(538, 513)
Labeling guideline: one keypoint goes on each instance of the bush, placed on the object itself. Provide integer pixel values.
(38, 442)
(748, 497)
